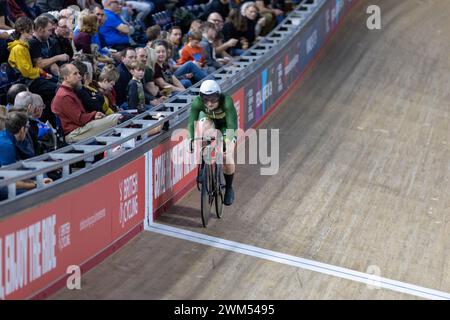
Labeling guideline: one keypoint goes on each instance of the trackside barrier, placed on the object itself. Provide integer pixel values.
(88, 212)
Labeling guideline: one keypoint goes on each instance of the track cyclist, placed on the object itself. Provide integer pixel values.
(215, 110)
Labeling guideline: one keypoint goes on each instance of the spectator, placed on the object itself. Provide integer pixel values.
(19, 56)
(20, 8)
(38, 80)
(62, 39)
(217, 20)
(153, 33)
(128, 57)
(143, 9)
(83, 40)
(40, 47)
(135, 89)
(207, 43)
(174, 38)
(164, 78)
(219, 45)
(150, 88)
(220, 6)
(106, 81)
(271, 16)
(90, 98)
(16, 127)
(196, 26)
(97, 39)
(192, 51)
(272, 11)
(40, 134)
(13, 91)
(255, 23)
(234, 33)
(78, 124)
(115, 30)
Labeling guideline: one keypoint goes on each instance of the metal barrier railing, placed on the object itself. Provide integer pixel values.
(115, 141)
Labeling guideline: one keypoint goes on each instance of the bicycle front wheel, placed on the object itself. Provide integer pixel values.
(205, 206)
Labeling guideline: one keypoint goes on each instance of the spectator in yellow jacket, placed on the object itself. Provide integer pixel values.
(19, 56)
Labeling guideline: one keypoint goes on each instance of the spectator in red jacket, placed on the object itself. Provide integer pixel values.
(76, 123)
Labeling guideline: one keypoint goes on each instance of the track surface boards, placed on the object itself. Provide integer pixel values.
(363, 181)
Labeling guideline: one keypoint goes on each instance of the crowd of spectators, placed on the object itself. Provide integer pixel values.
(81, 67)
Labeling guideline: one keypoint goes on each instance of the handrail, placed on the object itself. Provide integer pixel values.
(135, 130)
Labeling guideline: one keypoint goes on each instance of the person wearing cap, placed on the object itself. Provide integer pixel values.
(213, 109)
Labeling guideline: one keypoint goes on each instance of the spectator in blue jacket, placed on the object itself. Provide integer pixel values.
(115, 31)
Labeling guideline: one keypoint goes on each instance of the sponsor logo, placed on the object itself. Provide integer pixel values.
(311, 43)
(129, 206)
(27, 255)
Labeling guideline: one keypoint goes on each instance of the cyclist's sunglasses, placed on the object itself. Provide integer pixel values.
(210, 98)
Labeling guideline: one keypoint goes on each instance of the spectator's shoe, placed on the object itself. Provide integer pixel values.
(229, 196)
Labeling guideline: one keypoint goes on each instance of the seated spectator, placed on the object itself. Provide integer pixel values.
(153, 33)
(19, 56)
(255, 23)
(150, 88)
(40, 134)
(20, 59)
(143, 9)
(105, 85)
(207, 43)
(164, 78)
(220, 45)
(97, 39)
(196, 26)
(128, 56)
(14, 144)
(90, 98)
(135, 89)
(174, 38)
(192, 51)
(78, 124)
(220, 6)
(16, 127)
(62, 39)
(115, 31)
(234, 33)
(41, 50)
(83, 39)
(272, 12)
(13, 91)
(21, 8)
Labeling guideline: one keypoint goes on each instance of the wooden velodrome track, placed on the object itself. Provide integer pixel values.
(363, 181)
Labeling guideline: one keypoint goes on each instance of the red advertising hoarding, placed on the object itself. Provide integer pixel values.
(37, 246)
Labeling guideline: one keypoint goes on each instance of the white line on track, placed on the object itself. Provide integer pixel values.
(312, 265)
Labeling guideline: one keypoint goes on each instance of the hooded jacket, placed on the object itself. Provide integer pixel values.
(20, 59)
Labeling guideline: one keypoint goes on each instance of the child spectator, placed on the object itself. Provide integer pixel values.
(83, 40)
(192, 51)
(135, 89)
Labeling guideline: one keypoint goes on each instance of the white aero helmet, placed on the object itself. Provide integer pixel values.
(209, 87)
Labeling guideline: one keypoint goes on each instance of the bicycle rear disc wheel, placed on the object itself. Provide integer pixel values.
(205, 205)
(219, 194)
